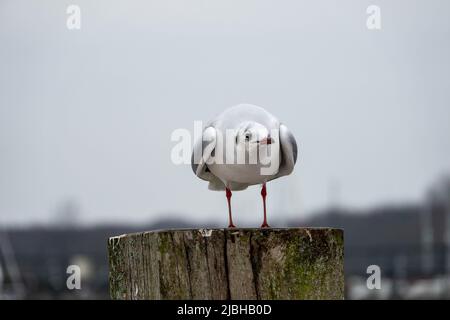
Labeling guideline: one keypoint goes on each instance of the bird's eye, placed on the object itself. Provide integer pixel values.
(247, 136)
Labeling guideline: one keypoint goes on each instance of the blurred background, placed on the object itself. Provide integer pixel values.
(86, 117)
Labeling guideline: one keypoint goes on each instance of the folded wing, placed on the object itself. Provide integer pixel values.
(288, 152)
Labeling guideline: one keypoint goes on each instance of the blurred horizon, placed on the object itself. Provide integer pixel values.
(68, 214)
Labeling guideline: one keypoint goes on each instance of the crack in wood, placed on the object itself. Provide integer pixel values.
(225, 257)
(188, 266)
(254, 262)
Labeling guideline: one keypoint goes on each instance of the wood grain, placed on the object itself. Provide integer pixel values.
(288, 263)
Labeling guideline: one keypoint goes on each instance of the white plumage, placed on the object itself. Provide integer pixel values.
(244, 145)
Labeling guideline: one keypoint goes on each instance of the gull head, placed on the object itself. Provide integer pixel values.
(253, 137)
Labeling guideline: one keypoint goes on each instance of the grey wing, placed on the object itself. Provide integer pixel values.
(288, 152)
(202, 153)
(203, 150)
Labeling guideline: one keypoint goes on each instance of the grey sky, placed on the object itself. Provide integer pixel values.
(87, 115)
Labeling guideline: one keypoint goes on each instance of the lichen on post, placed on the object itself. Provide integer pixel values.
(287, 263)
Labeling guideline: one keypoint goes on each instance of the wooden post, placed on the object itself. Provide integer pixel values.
(291, 263)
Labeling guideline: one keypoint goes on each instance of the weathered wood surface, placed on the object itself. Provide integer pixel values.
(291, 263)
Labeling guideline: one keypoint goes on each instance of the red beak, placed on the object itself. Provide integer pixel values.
(267, 140)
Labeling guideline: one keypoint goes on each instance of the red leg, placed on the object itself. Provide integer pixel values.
(230, 218)
(263, 194)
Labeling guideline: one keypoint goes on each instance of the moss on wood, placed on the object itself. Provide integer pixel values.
(291, 263)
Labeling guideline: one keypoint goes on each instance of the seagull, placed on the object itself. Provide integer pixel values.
(244, 145)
